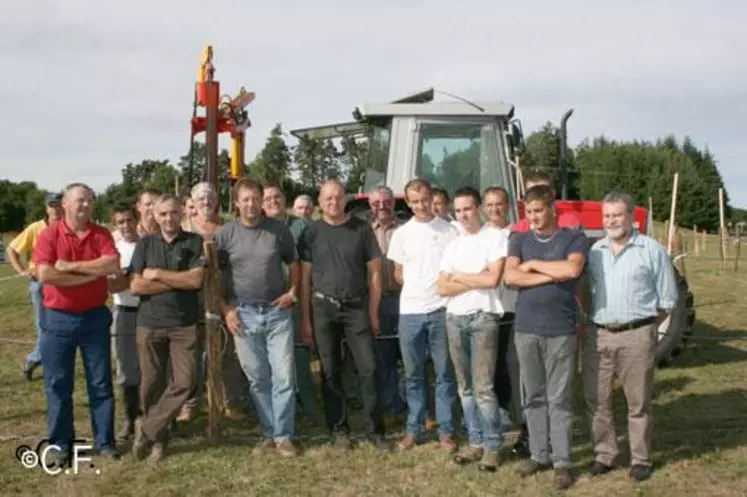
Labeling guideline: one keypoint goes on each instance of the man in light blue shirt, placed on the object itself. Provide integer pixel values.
(633, 289)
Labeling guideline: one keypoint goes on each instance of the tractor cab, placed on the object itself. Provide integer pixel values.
(451, 144)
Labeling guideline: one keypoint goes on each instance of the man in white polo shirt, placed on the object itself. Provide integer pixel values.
(124, 318)
(495, 205)
(416, 249)
(471, 268)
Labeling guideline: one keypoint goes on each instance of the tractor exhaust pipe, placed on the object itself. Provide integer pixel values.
(563, 156)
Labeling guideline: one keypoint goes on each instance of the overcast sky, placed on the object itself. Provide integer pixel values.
(88, 86)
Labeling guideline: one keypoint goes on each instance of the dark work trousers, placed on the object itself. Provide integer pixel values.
(333, 321)
(162, 393)
(502, 375)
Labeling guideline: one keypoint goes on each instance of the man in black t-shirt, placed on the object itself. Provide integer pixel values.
(341, 289)
(167, 269)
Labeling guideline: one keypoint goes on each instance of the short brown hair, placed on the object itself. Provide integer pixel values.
(495, 189)
(440, 191)
(539, 177)
(122, 208)
(247, 184)
(417, 185)
(542, 193)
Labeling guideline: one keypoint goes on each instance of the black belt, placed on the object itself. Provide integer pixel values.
(340, 302)
(127, 308)
(616, 328)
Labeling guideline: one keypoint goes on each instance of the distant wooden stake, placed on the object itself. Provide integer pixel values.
(736, 261)
(681, 249)
(651, 216)
(666, 230)
(672, 213)
(705, 239)
(696, 248)
(215, 392)
(722, 227)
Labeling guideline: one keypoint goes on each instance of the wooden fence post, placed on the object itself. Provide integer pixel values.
(215, 391)
(696, 247)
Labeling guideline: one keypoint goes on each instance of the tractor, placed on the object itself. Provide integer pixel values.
(462, 143)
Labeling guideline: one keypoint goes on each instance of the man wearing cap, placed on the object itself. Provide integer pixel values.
(24, 244)
(73, 258)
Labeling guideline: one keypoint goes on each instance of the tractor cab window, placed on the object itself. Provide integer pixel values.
(455, 155)
(378, 155)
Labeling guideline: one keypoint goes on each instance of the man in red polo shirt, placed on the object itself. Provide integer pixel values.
(566, 219)
(73, 257)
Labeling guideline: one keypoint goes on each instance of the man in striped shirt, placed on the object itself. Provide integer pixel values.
(633, 289)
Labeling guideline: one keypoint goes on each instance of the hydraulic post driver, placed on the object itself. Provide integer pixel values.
(222, 115)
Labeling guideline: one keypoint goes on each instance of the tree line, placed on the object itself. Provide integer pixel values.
(596, 166)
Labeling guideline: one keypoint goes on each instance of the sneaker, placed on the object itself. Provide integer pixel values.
(285, 448)
(489, 461)
(468, 455)
(266, 446)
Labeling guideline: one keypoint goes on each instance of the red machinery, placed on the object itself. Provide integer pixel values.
(222, 115)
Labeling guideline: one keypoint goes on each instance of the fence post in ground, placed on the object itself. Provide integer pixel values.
(215, 393)
(672, 214)
(736, 261)
(696, 248)
(722, 227)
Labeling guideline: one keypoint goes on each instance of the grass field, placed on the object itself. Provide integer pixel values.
(700, 439)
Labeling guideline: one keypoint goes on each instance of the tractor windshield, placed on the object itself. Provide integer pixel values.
(454, 155)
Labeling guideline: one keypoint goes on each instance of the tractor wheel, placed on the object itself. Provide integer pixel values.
(676, 330)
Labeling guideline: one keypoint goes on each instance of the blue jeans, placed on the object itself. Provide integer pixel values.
(62, 334)
(387, 355)
(420, 335)
(265, 352)
(37, 296)
(473, 343)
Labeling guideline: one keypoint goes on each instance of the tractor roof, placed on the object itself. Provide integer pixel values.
(423, 104)
(418, 104)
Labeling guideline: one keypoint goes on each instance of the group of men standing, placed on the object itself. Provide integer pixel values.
(495, 307)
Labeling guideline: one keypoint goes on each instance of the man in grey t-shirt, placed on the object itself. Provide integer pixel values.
(545, 264)
(257, 307)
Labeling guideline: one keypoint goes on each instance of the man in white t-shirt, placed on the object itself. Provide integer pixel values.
(495, 205)
(124, 318)
(471, 268)
(416, 249)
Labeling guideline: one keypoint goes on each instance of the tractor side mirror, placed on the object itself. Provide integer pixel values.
(515, 138)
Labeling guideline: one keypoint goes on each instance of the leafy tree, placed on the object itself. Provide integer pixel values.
(316, 161)
(542, 153)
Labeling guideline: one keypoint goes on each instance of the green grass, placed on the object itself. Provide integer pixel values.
(700, 434)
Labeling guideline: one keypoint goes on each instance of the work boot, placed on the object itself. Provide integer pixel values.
(468, 454)
(490, 461)
(141, 443)
(131, 395)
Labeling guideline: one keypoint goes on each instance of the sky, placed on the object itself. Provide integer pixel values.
(88, 86)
